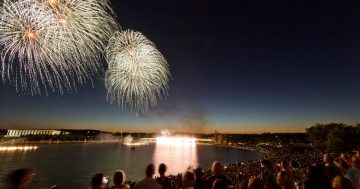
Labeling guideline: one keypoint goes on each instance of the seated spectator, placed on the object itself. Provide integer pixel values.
(188, 181)
(340, 182)
(217, 172)
(20, 178)
(119, 180)
(163, 180)
(148, 182)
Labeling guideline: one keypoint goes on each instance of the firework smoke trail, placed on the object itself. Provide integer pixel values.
(138, 74)
(52, 43)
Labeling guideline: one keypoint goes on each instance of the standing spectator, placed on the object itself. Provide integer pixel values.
(163, 180)
(148, 182)
(20, 178)
(119, 180)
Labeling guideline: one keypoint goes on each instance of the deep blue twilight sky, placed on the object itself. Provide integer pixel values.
(237, 66)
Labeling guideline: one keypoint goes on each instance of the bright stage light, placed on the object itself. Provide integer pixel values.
(176, 141)
(177, 152)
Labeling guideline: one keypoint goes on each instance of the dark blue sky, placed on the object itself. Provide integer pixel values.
(237, 66)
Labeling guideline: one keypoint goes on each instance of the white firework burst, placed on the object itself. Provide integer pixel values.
(28, 57)
(53, 43)
(87, 25)
(138, 74)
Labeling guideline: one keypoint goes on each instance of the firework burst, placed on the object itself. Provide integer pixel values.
(28, 57)
(53, 43)
(87, 25)
(138, 74)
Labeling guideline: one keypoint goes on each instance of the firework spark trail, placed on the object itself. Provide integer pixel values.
(52, 43)
(138, 74)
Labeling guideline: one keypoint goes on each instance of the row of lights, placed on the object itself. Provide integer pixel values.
(20, 148)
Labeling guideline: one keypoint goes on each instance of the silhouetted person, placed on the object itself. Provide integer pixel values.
(148, 182)
(188, 180)
(98, 181)
(255, 183)
(119, 180)
(20, 178)
(343, 166)
(284, 180)
(298, 174)
(200, 182)
(163, 180)
(217, 184)
(317, 178)
(346, 158)
(330, 168)
(268, 175)
(340, 182)
(285, 166)
(217, 172)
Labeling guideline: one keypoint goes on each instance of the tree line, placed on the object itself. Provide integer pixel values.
(334, 136)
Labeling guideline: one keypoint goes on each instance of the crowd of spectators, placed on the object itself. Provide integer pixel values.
(308, 170)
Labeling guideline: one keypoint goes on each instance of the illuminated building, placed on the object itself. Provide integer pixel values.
(24, 132)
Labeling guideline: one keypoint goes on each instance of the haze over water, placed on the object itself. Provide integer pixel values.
(71, 166)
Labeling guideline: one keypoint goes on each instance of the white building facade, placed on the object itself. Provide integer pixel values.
(24, 132)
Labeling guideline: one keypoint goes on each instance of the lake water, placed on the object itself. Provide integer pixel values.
(71, 166)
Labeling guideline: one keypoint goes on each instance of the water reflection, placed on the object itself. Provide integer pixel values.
(177, 154)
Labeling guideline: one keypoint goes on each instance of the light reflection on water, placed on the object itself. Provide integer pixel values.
(177, 157)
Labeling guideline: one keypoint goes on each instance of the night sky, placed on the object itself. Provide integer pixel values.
(237, 66)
